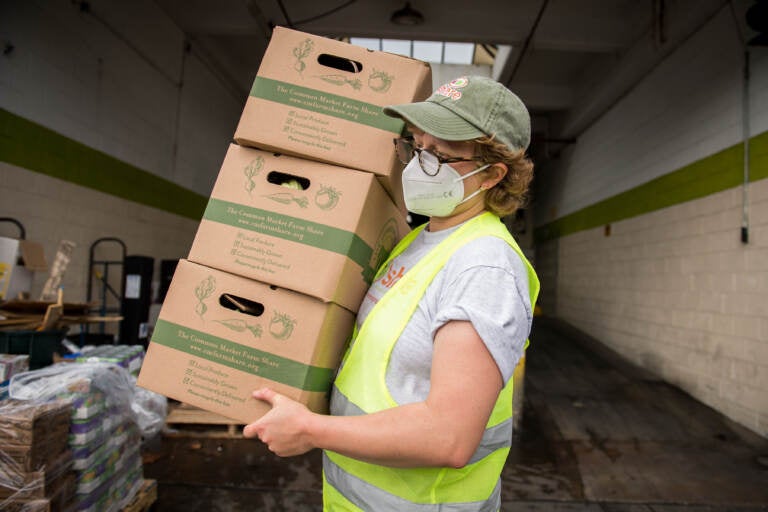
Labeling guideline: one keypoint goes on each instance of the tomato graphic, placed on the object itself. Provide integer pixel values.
(380, 81)
(327, 197)
(281, 326)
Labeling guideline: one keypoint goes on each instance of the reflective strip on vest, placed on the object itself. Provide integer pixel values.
(364, 496)
(360, 388)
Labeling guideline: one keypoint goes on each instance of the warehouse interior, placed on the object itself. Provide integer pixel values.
(647, 222)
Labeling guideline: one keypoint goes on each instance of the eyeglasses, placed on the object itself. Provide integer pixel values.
(430, 163)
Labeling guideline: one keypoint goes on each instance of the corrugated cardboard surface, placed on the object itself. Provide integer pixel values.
(18, 260)
(219, 337)
(325, 238)
(322, 99)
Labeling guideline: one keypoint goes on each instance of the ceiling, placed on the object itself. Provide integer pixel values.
(568, 59)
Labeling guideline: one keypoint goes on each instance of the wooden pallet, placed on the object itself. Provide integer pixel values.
(186, 420)
(144, 499)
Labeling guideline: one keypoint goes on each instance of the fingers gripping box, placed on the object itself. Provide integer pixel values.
(219, 337)
(322, 99)
(311, 227)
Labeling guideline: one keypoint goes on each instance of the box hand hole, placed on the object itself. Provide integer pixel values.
(288, 180)
(241, 304)
(339, 63)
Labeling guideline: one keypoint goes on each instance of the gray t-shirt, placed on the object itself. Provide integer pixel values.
(484, 282)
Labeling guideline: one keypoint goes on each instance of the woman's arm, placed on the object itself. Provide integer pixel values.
(444, 430)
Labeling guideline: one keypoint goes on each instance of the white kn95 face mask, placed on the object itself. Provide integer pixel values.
(438, 195)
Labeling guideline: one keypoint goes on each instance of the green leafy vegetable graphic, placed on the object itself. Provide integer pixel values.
(202, 291)
(301, 52)
(251, 170)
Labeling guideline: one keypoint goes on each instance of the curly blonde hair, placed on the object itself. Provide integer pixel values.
(511, 193)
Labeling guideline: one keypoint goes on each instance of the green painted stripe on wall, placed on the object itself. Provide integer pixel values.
(34, 147)
(715, 173)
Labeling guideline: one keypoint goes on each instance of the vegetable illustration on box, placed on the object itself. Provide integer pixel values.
(327, 197)
(341, 80)
(202, 291)
(252, 170)
(301, 52)
(380, 81)
(239, 325)
(281, 326)
(287, 198)
(384, 244)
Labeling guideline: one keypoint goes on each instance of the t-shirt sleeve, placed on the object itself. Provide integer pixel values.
(487, 284)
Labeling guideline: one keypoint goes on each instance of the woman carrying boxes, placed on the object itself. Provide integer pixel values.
(421, 409)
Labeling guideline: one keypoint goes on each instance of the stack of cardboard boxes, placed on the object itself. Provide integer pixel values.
(306, 206)
(74, 433)
(35, 459)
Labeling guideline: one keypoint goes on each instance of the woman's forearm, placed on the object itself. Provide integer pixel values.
(411, 435)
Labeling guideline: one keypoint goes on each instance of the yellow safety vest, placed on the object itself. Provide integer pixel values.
(360, 388)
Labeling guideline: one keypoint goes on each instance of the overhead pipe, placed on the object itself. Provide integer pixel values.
(527, 42)
(745, 127)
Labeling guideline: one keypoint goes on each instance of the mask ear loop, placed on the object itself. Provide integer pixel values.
(479, 169)
(476, 192)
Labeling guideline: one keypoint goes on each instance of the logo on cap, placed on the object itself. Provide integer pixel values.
(452, 89)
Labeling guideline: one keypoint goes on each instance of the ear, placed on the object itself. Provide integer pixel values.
(496, 173)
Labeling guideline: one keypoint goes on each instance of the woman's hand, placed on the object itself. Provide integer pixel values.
(284, 429)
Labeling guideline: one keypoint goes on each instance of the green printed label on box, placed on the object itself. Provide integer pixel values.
(324, 103)
(238, 357)
(285, 227)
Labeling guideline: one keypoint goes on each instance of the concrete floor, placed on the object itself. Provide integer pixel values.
(597, 435)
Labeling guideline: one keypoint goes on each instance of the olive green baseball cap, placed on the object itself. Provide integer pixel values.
(467, 108)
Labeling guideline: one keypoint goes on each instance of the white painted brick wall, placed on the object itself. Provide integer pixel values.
(52, 210)
(70, 73)
(686, 109)
(673, 290)
(700, 323)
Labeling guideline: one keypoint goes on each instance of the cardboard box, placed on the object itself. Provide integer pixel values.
(219, 337)
(19, 259)
(322, 99)
(325, 238)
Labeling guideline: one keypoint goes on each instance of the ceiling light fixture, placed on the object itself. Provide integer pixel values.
(407, 16)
